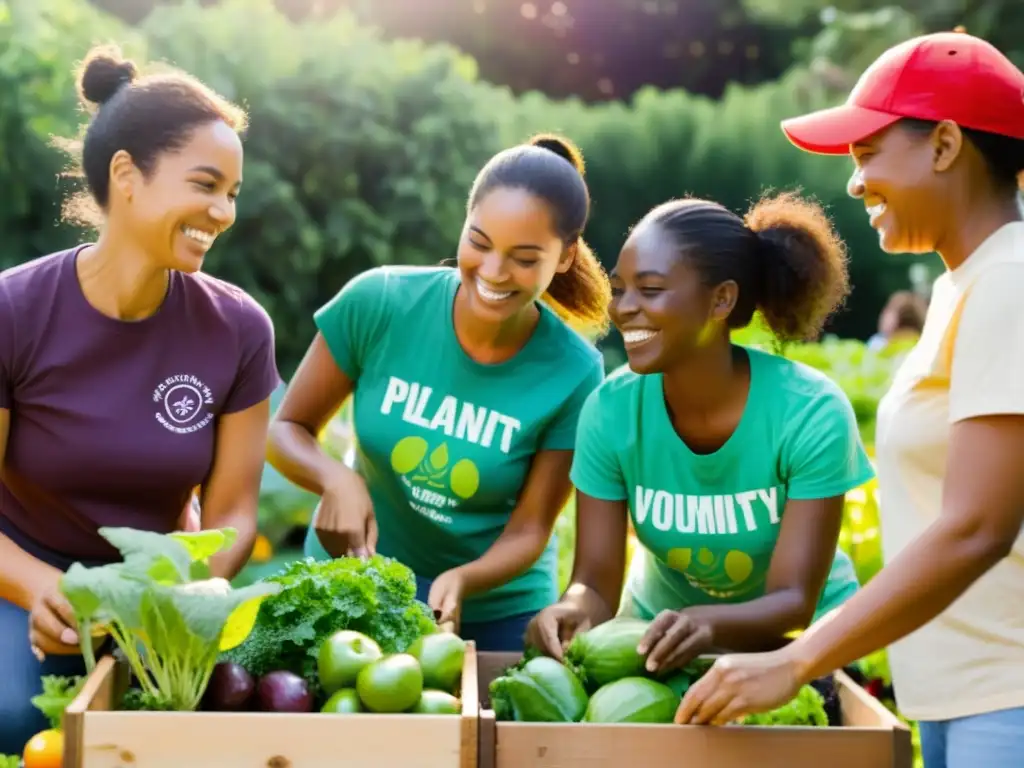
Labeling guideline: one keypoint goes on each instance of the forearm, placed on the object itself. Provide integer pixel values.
(594, 589)
(758, 625)
(510, 555)
(297, 454)
(22, 576)
(228, 563)
(925, 579)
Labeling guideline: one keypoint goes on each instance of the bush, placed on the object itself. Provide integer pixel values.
(39, 43)
(667, 144)
(360, 153)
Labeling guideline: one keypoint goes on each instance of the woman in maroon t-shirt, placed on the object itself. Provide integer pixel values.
(127, 377)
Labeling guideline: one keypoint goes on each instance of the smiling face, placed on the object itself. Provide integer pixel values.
(898, 175)
(178, 210)
(659, 303)
(508, 253)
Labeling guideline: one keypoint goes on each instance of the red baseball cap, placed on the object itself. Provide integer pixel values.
(942, 76)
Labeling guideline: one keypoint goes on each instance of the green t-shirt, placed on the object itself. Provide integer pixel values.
(444, 443)
(707, 523)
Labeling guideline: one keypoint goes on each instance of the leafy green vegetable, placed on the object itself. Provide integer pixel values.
(807, 709)
(376, 596)
(10, 761)
(170, 627)
(57, 693)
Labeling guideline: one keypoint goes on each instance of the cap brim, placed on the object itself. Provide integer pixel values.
(832, 131)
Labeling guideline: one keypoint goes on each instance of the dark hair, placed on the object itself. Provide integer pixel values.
(145, 116)
(910, 309)
(551, 168)
(1004, 155)
(784, 255)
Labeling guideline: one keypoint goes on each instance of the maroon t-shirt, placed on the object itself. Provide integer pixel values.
(113, 423)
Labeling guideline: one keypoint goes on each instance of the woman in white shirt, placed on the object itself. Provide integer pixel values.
(936, 130)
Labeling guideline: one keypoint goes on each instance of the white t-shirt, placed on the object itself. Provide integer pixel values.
(969, 362)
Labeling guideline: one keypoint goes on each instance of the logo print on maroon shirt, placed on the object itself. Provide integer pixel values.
(182, 400)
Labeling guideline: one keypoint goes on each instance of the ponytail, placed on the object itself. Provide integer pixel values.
(581, 295)
(804, 277)
(551, 167)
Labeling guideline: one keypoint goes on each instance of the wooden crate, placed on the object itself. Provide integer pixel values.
(99, 736)
(871, 737)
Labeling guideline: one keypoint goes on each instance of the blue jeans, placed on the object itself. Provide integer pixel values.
(991, 740)
(20, 673)
(506, 634)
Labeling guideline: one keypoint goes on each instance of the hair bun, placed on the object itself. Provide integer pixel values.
(103, 73)
(562, 147)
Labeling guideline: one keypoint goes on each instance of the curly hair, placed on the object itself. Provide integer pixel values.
(784, 256)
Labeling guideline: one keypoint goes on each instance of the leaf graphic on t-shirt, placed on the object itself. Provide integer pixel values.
(439, 458)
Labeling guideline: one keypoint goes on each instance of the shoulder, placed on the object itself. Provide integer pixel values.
(224, 307)
(618, 395)
(234, 304)
(575, 351)
(799, 391)
(25, 282)
(399, 283)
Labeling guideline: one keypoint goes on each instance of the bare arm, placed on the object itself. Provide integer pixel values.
(316, 392)
(599, 564)
(528, 530)
(982, 514)
(230, 496)
(800, 565)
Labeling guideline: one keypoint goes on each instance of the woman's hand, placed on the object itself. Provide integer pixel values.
(739, 685)
(52, 626)
(445, 599)
(344, 520)
(673, 640)
(551, 630)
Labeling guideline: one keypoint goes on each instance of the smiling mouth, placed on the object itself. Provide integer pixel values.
(489, 294)
(638, 337)
(875, 212)
(205, 239)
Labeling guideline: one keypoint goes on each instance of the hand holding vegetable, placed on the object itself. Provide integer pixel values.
(673, 640)
(739, 685)
(52, 629)
(551, 630)
(445, 599)
(344, 520)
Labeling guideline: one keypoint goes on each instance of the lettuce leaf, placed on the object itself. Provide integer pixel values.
(170, 626)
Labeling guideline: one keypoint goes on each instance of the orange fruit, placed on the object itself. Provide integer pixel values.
(44, 750)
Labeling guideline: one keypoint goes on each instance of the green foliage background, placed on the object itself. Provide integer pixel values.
(361, 150)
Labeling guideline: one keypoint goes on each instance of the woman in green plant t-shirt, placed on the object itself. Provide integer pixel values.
(732, 463)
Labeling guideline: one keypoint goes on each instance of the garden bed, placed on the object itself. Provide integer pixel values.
(97, 735)
(869, 737)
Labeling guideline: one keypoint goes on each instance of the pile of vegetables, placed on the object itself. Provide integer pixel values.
(353, 674)
(603, 680)
(286, 643)
(375, 597)
(166, 614)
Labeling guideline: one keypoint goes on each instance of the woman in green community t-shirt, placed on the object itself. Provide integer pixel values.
(467, 390)
(731, 463)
